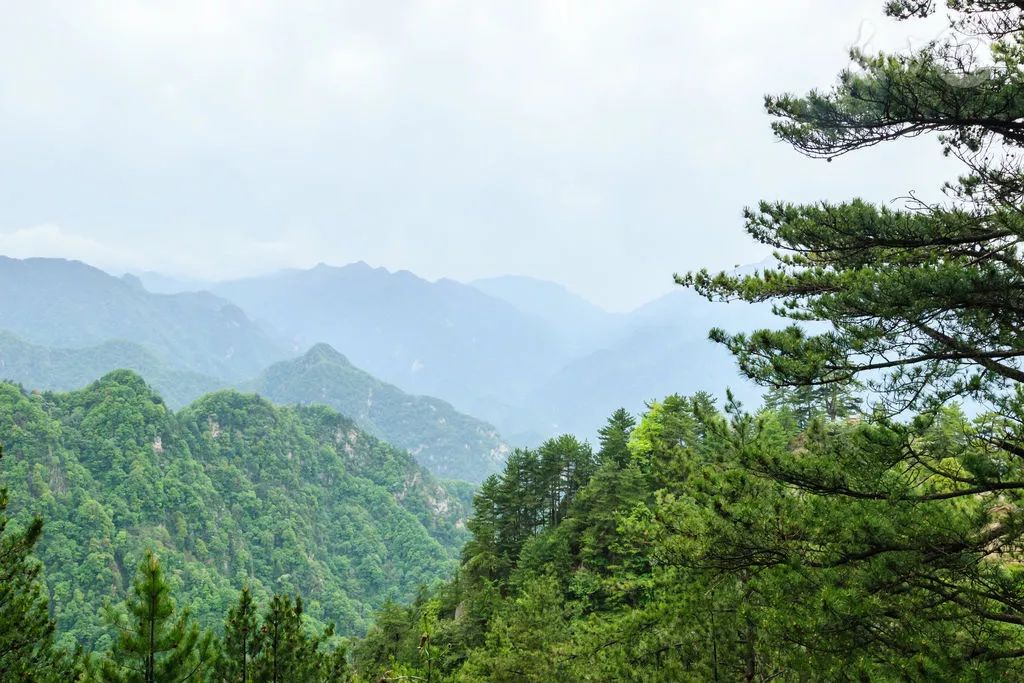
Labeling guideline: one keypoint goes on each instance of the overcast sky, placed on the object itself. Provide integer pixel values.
(604, 145)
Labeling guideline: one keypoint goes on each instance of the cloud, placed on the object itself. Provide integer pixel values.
(204, 263)
(51, 240)
(604, 144)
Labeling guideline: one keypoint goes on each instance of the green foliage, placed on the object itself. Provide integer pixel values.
(804, 403)
(26, 630)
(153, 644)
(286, 650)
(697, 561)
(239, 644)
(525, 641)
(919, 300)
(614, 438)
(286, 653)
(445, 441)
(921, 516)
(231, 492)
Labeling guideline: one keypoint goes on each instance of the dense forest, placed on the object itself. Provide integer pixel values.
(864, 524)
(228, 491)
(824, 537)
(450, 444)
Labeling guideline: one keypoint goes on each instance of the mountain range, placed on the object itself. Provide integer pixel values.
(442, 338)
(447, 442)
(524, 354)
(408, 359)
(65, 323)
(68, 304)
(231, 490)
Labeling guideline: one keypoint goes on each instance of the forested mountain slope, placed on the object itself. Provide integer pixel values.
(445, 441)
(698, 545)
(449, 443)
(231, 490)
(68, 304)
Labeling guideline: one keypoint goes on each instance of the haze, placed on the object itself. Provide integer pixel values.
(603, 145)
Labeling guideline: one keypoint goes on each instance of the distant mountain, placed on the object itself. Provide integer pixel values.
(442, 338)
(525, 355)
(650, 363)
(68, 304)
(577, 322)
(230, 491)
(40, 367)
(443, 440)
(659, 348)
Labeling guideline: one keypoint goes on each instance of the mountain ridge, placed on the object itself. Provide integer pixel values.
(69, 304)
(447, 442)
(438, 338)
(231, 490)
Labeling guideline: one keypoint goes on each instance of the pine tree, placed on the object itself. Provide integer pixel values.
(615, 487)
(240, 641)
(520, 501)
(565, 466)
(287, 654)
(26, 629)
(154, 644)
(482, 559)
(922, 302)
(833, 401)
(334, 663)
(614, 438)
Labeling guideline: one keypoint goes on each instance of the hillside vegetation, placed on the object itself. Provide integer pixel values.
(231, 491)
(448, 443)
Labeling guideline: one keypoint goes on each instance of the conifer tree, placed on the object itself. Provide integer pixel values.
(26, 629)
(334, 664)
(287, 654)
(155, 642)
(564, 466)
(481, 556)
(615, 486)
(922, 302)
(832, 401)
(613, 438)
(240, 641)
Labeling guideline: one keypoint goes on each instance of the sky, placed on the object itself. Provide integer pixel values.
(604, 145)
